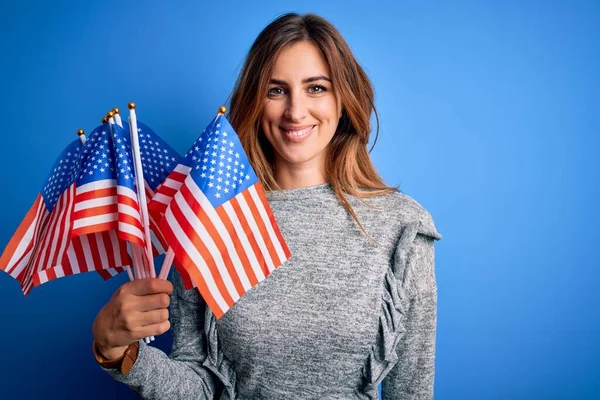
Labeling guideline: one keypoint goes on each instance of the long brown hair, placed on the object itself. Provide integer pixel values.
(348, 168)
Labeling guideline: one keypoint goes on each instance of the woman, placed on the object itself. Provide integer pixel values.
(356, 303)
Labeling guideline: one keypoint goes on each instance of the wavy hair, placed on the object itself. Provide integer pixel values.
(348, 168)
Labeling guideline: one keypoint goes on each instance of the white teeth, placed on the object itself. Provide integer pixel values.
(299, 133)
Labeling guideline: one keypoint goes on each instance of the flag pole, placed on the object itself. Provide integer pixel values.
(137, 265)
(141, 186)
(166, 267)
(136, 254)
(81, 134)
(117, 116)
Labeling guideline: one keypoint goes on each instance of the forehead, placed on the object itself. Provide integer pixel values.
(299, 61)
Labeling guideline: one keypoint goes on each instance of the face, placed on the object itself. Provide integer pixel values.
(301, 109)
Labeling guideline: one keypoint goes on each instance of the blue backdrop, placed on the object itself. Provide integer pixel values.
(489, 118)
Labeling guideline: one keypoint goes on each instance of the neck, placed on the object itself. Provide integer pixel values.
(293, 176)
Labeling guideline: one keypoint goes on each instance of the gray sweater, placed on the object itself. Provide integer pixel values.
(341, 316)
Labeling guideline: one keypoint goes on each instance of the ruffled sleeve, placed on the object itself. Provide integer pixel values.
(215, 361)
(195, 368)
(403, 356)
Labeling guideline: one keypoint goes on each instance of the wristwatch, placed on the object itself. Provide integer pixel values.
(125, 362)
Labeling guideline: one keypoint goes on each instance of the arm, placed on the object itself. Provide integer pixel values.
(413, 376)
(180, 375)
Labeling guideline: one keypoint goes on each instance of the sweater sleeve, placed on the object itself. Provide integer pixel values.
(181, 375)
(413, 375)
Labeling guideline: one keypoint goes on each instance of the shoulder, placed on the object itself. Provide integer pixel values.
(403, 210)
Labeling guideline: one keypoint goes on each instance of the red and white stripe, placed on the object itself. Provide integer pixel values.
(99, 251)
(55, 238)
(95, 207)
(166, 190)
(130, 222)
(17, 254)
(159, 244)
(157, 205)
(226, 250)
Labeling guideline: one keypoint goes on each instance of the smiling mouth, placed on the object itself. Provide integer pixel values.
(298, 135)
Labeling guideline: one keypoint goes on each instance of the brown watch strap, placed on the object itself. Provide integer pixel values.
(130, 356)
(125, 362)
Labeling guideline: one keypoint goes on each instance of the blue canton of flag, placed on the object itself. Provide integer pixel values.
(97, 160)
(158, 158)
(219, 165)
(64, 173)
(123, 158)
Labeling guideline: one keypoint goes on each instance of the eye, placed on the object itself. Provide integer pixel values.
(316, 89)
(275, 91)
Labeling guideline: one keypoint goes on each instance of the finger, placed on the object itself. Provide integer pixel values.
(153, 330)
(152, 302)
(153, 317)
(142, 287)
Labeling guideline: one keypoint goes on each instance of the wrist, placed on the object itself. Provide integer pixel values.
(110, 353)
(124, 362)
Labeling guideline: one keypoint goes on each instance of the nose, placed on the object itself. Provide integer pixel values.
(296, 109)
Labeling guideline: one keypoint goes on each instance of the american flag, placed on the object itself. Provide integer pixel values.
(103, 151)
(43, 236)
(86, 211)
(218, 222)
(96, 208)
(94, 240)
(158, 161)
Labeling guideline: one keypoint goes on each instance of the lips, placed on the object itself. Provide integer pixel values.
(297, 134)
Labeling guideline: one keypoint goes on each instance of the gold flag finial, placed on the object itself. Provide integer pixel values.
(131, 106)
(80, 132)
(110, 114)
(222, 110)
(116, 110)
(104, 120)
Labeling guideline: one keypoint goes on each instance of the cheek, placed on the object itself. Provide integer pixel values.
(271, 114)
(327, 111)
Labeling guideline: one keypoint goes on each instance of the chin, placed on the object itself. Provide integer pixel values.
(297, 157)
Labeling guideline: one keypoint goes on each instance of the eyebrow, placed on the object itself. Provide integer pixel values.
(307, 80)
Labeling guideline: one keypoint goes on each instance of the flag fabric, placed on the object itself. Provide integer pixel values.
(158, 161)
(43, 248)
(43, 236)
(129, 227)
(95, 243)
(108, 200)
(88, 209)
(96, 207)
(98, 251)
(218, 221)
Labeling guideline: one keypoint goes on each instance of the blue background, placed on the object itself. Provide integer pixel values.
(489, 118)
